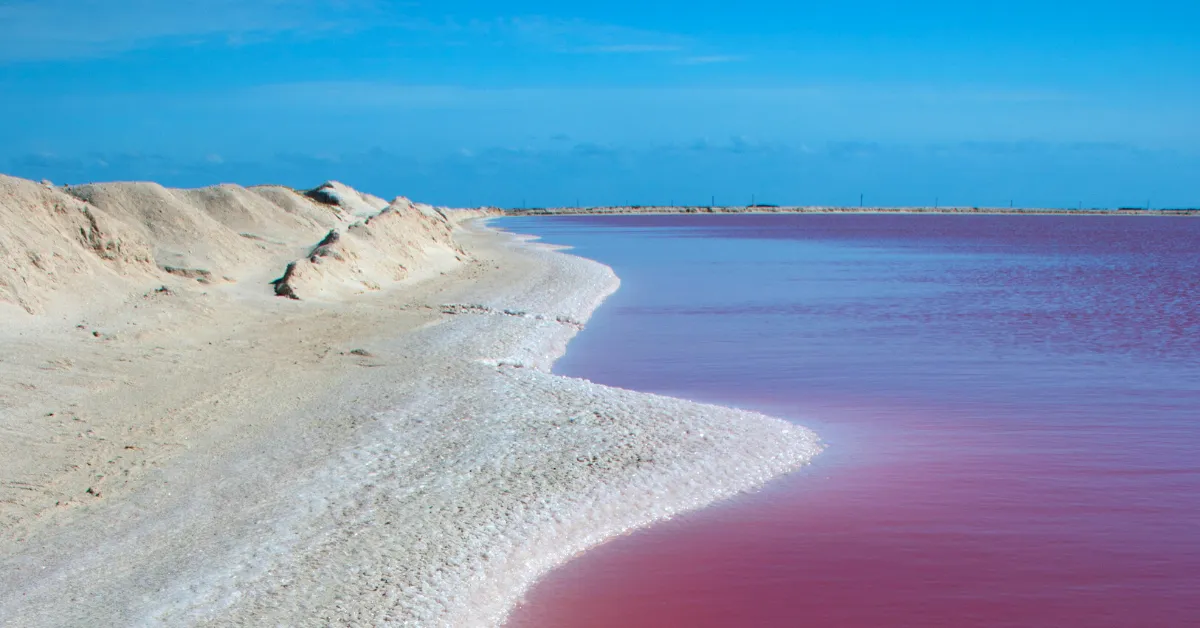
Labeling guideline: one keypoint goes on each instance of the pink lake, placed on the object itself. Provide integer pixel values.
(1011, 404)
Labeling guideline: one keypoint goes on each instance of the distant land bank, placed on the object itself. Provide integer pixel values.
(818, 209)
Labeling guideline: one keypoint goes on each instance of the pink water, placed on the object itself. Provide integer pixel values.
(1012, 407)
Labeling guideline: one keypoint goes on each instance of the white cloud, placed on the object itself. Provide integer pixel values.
(64, 29)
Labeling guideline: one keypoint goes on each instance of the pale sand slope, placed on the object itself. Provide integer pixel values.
(250, 470)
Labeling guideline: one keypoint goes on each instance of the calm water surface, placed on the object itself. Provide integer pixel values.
(1011, 404)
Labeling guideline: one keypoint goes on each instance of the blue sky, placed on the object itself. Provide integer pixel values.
(549, 103)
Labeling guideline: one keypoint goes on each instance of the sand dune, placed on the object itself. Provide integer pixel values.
(338, 195)
(179, 445)
(111, 238)
(52, 243)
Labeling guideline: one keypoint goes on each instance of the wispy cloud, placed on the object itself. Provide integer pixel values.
(630, 49)
(357, 95)
(38, 30)
(711, 59)
(65, 29)
(577, 36)
(738, 144)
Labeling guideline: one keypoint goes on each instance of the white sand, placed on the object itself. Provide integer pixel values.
(214, 454)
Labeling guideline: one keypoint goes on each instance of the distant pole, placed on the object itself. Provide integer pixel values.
(936, 202)
(753, 200)
(712, 203)
(860, 201)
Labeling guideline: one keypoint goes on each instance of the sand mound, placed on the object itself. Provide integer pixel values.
(387, 247)
(203, 229)
(58, 243)
(52, 242)
(339, 195)
(303, 207)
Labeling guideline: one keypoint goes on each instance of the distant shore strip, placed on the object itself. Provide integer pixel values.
(770, 209)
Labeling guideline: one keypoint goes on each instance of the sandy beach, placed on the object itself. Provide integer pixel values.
(184, 444)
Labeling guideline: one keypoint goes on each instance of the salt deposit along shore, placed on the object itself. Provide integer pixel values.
(182, 445)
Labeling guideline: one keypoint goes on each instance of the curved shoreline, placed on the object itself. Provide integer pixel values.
(431, 487)
(647, 501)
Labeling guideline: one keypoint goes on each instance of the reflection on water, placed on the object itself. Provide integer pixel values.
(1012, 406)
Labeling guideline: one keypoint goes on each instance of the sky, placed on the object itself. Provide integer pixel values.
(540, 103)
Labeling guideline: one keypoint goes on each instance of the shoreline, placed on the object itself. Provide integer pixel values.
(727, 210)
(430, 482)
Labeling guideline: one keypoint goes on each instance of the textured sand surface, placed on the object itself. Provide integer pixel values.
(214, 455)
